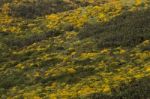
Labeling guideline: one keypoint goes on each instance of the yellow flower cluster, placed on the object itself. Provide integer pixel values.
(89, 55)
(81, 16)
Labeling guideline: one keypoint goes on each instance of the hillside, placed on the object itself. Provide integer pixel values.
(74, 49)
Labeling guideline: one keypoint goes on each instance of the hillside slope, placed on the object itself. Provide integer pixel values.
(96, 49)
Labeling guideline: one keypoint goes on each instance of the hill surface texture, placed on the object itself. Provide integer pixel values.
(74, 49)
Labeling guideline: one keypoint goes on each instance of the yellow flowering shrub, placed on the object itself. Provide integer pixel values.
(106, 88)
(88, 55)
(66, 66)
(138, 2)
(85, 90)
(81, 16)
(105, 51)
(71, 70)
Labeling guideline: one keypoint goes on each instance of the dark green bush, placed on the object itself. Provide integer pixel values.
(30, 9)
(128, 30)
(136, 89)
(18, 41)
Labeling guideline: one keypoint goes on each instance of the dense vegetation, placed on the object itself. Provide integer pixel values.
(74, 49)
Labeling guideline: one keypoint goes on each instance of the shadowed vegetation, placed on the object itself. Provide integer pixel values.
(126, 30)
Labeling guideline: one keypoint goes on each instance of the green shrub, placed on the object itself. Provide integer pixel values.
(128, 29)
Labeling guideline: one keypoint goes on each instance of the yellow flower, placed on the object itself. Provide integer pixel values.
(105, 51)
(146, 42)
(86, 90)
(21, 66)
(54, 84)
(147, 69)
(88, 55)
(122, 51)
(91, 1)
(52, 17)
(53, 96)
(101, 15)
(73, 53)
(71, 70)
(106, 89)
(138, 2)
(138, 76)
(119, 78)
(37, 74)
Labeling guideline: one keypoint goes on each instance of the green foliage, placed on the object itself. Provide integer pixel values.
(37, 8)
(74, 49)
(126, 30)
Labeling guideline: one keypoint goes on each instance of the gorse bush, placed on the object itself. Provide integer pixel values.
(38, 8)
(35, 8)
(18, 42)
(128, 29)
(74, 49)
